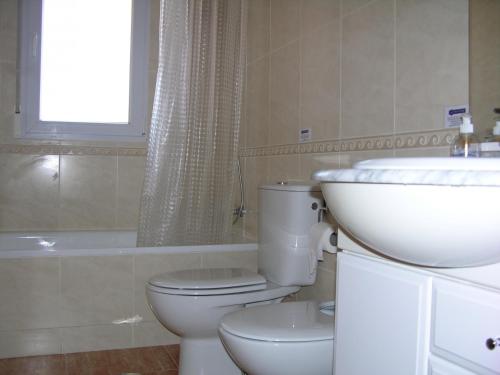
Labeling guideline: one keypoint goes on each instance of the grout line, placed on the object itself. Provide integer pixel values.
(115, 195)
(268, 125)
(301, 83)
(59, 210)
(340, 72)
(59, 302)
(394, 92)
(134, 302)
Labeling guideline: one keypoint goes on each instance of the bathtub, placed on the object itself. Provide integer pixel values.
(65, 292)
(95, 243)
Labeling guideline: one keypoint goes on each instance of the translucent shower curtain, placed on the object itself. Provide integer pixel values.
(192, 145)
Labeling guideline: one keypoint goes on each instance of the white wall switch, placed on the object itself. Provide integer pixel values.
(305, 135)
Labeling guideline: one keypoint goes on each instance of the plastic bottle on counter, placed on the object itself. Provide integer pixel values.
(491, 147)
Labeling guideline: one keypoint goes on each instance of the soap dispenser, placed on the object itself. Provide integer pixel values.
(466, 144)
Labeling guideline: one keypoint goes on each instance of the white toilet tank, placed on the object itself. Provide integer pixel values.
(286, 214)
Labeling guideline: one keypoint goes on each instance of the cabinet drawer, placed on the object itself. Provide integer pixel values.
(464, 317)
(438, 366)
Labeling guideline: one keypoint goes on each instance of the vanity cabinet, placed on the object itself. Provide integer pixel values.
(395, 319)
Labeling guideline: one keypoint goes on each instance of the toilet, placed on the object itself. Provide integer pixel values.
(293, 338)
(192, 302)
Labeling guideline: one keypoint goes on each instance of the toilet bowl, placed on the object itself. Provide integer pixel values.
(293, 338)
(191, 303)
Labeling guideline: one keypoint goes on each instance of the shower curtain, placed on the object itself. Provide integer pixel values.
(193, 140)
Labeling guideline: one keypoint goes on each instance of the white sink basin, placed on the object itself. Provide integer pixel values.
(440, 212)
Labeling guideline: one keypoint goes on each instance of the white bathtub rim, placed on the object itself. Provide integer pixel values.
(193, 249)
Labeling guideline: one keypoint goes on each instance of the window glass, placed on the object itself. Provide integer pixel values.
(85, 61)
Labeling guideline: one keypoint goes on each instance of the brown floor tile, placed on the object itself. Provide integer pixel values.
(157, 360)
(34, 365)
(163, 358)
(118, 358)
(75, 362)
(174, 352)
(98, 359)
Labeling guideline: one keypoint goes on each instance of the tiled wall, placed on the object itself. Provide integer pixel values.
(484, 63)
(371, 78)
(64, 185)
(68, 304)
(69, 192)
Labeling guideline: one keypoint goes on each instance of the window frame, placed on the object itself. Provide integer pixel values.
(29, 70)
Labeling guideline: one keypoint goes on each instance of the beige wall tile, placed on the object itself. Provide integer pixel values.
(240, 259)
(7, 99)
(283, 168)
(255, 174)
(251, 229)
(29, 293)
(128, 191)
(258, 29)
(484, 62)
(88, 188)
(368, 71)
(349, 6)
(284, 95)
(8, 13)
(154, 32)
(422, 152)
(99, 337)
(347, 159)
(29, 342)
(153, 334)
(316, 13)
(29, 188)
(329, 262)
(8, 41)
(238, 233)
(432, 61)
(322, 290)
(320, 76)
(310, 163)
(146, 266)
(96, 290)
(285, 20)
(257, 103)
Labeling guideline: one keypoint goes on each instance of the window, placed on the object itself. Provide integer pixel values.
(84, 69)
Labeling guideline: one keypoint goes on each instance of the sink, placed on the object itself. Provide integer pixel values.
(438, 212)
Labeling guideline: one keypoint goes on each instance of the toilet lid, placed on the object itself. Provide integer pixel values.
(209, 279)
(282, 322)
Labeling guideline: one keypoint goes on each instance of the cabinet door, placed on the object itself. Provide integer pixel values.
(464, 318)
(437, 366)
(382, 318)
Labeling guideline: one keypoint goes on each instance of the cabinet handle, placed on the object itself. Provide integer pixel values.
(492, 343)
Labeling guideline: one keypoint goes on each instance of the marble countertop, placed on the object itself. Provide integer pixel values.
(417, 171)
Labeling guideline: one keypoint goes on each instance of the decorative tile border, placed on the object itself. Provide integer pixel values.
(436, 138)
(71, 150)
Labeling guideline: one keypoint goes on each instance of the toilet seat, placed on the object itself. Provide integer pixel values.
(286, 322)
(207, 282)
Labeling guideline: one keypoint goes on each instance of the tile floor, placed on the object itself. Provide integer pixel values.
(157, 360)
